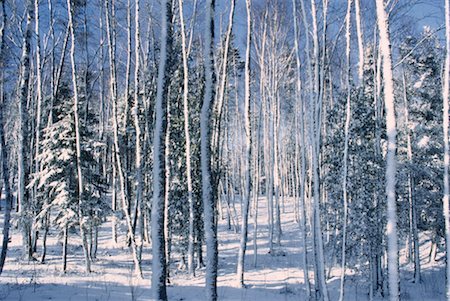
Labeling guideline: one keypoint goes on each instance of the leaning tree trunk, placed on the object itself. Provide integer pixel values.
(158, 240)
(385, 48)
(209, 204)
(248, 150)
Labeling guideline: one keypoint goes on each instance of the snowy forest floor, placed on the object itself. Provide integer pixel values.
(276, 277)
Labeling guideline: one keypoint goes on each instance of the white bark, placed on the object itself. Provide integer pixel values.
(315, 138)
(158, 240)
(205, 153)
(138, 163)
(360, 35)
(413, 235)
(118, 159)
(445, 116)
(302, 154)
(22, 169)
(77, 138)
(346, 139)
(191, 267)
(248, 150)
(385, 48)
(3, 151)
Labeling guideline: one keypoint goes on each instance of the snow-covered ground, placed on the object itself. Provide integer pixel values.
(276, 277)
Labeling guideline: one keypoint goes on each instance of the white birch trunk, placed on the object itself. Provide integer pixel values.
(158, 240)
(137, 125)
(445, 116)
(302, 154)
(3, 151)
(248, 150)
(191, 266)
(360, 35)
(22, 197)
(77, 139)
(113, 90)
(205, 153)
(413, 235)
(315, 138)
(346, 139)
(385, 48)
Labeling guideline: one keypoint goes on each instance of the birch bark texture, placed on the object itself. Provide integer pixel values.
(445, 94)
(209, 204)
(248, 151)
(391, 132)
(191, 267)
(348, 115)
(159, 272)
(77, 138)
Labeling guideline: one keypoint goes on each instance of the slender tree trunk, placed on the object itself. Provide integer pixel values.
(360, 36)
(191, 266)
(78, 139)
(22, 154)
(346, 141)
(445, 93)
(385, 48)
(303, 156)
(118, 157)
(413, 235)
(209, 207)
(158, 240)
(223, 79)
(138, 164)
(315, 126)
(3, 150)
(248, 151)
(64, 248)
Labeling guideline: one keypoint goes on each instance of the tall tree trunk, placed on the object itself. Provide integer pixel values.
(302, 154)
(191, 266)
(158, 240)
(413, 235)
(315, 126)
(209, 204)
(139, 203)
(385, 48)
(118, 157)
(3, 150)
(445, 93)
(360, 36)
(248, 151)
(346, 141)
(22, 155)
(78, 140)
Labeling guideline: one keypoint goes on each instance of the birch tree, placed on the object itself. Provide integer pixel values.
(159, 272)
(78, 140)
(22, 154)
(109, 11)
(3, 150)
(209, 206)
(302, 154)
(248, 150)
(191, 267)
(391, 132)
(445, 94)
